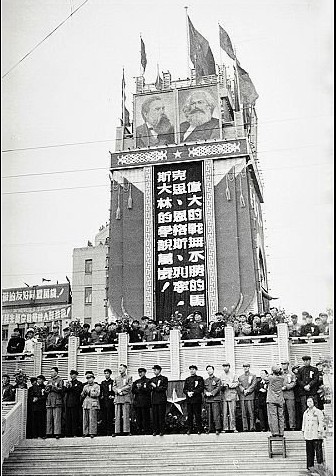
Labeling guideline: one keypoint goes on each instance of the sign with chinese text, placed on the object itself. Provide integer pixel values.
(36, 295)
(180, 278)
(34, 316)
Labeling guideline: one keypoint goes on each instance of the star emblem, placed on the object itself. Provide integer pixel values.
(175, 400)
(177, 154)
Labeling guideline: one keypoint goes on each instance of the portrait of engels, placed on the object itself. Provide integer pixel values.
(157, 128)
(198, 109)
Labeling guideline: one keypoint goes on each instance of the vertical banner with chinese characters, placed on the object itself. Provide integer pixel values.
(180, 277)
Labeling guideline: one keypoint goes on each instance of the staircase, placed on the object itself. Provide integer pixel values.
(226, 454)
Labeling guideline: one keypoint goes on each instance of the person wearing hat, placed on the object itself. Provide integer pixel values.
(39, 398)
(107, 403)
(312, 429)
(29, 342)
(212, 387)
(8, 390)
(29, 423)
(90, 395)
(85, 335)
(159, 384)
(72, 405)
(141, 390)
(297, 398)
(229, 385)
(123, 398)
(309, 329)
(308, 382)
(53, 340)
(275, 401)
(54, 390)
(193, 389)
(247, 383)
(98, 335)
(288, 393)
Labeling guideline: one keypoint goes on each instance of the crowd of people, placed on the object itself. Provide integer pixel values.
(192, 327)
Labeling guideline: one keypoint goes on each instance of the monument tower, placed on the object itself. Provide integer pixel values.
(186, 229)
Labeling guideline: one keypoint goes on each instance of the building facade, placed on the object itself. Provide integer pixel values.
(89, 280)
(186, 228)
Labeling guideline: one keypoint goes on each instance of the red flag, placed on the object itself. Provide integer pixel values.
(225, 43)
(200, 53)
(248, 93)
(143, 55)
(125, 117)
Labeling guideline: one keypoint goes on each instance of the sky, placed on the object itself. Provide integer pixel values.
(61, 105)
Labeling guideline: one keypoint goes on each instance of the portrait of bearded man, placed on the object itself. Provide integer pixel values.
(199, 125)
(157, 129)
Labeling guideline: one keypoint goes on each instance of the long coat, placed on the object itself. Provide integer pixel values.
(73, 393)
(194, 383)
(247, 382)
(159, 393)
(142, 390)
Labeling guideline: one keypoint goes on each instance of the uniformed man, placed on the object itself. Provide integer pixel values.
(8, 390)
(247, 384)
(107, 403)
(308, 381)
(288, 393)
(54, 390)
(229, 383)
(212, 387)
(91, 406)
(123, 393)
(72, 405)
(193, 389)
(159, 384)
(141, 390)
(275, 401)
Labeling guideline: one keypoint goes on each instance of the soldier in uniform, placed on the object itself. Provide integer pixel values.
(107, 402)
(54, 390)
(123, 397)
(141, 390)
(308, 382)
(288, 393)
(90, 394)
(193, 389)
(247, 384)
(217, 327)
(212, 387)
(230, 384)
(72, 404)
(159, 384)
(275, 401)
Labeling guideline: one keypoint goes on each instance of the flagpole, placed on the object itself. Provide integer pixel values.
(141, 68)
(237, 76)
(188, 42)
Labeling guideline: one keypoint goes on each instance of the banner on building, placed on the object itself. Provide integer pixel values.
(180, 277)
(38, 315)
(35, 295)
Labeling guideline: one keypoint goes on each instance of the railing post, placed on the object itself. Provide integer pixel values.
(22, 398)
(283, 342)
(123, 348)
(230, 348)
(73, 345)
(175, 339)
(37, 358)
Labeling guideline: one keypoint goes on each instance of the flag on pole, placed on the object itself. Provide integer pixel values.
(143, 55)
(158, 81)
(200, 53)
(248, 93)
(125, 117)
(225, 43)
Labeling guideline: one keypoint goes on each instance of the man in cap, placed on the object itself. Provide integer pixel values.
(275, 401)
(54, 390)
(297, 397)
(193, 389)
(159, 384)
(308, 382)
(123, 397)
(39, 408)
(107, 402)
(230, 384)
(141, 390)
(90, 395)
(247, 384)
(212, 387)
(288, 393)
(309, 329)
(72, 404)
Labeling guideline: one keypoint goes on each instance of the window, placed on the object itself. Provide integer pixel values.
(88, 296)
(88, 266)
(4, 332)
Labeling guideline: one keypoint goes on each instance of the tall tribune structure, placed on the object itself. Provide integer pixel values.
(186, 227)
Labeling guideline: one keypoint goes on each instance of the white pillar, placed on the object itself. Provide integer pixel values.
(229, 347)
(73, 345)
(122, 348)
(283, 346)
(175, 339)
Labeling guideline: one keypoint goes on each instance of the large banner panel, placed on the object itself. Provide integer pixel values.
(154, 119)
(180, 277)
(199, 114)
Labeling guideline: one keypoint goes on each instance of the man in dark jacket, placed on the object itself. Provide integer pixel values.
(107, 402)
(16, 343)
(308, 382)
(159, 385)
(8, 391)
(39, 408)
(141, 390)
(309, 329)
(196, 329)
(193, 389)
(72, 403)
